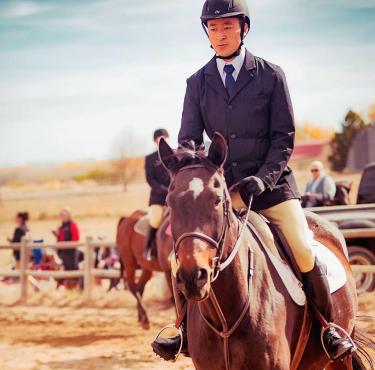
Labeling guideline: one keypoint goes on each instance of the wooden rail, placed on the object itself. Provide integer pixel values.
(363, 268)
(358, 233)
(88, 273)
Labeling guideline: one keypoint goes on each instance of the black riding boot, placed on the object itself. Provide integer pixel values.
(317, 290)
(167, 348)
(149, 249)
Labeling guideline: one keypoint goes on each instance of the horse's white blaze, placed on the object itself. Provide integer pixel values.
(196, 186)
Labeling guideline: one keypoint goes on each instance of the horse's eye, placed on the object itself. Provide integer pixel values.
(216, 183)
(218, 201)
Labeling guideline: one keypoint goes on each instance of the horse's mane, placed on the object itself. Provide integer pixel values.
(190, 153)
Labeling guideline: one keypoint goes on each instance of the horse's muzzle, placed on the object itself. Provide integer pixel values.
(194, 284)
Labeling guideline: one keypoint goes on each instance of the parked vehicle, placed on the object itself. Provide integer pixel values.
(366, 190)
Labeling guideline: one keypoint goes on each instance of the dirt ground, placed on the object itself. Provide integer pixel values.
(55, 332)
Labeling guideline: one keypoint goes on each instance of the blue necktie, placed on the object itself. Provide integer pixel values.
(229, 79)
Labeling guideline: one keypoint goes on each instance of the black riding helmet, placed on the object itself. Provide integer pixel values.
(216, 9)
(160, 132)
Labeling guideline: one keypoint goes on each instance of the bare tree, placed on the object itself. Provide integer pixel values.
(125, 163)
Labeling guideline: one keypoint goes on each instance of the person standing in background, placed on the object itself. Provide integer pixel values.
(19, 232)
(320, 188)
(68, 232)
(158, 179)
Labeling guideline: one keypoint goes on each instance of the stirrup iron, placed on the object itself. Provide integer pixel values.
(339, 329)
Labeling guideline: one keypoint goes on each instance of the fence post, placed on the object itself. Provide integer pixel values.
(87, 279)
(24, 257)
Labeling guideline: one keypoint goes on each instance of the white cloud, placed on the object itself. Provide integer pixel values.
(17, 9)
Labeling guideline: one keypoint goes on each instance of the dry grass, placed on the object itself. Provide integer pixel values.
(90, 200)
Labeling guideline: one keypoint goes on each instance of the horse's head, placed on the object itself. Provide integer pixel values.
(199, 204)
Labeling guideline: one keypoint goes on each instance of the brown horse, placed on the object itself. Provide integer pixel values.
(239, 314)
(130, 245)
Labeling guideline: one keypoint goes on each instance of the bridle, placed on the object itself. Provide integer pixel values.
(218, 264)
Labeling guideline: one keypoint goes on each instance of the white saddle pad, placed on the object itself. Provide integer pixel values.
(142, 225)
(335, 271)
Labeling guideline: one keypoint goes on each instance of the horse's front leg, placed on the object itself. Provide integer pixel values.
(134, 289)
(142, 314)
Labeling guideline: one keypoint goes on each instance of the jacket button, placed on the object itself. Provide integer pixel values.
(234, 164)
(233, 136)
(230, 106)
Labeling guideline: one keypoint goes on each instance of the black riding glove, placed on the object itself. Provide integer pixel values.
(252, 185)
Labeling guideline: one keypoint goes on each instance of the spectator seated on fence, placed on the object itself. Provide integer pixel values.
(19, 232)
(67, 232)
(320, 188)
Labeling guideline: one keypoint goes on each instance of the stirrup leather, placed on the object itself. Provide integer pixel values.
(340, 329)
(172, 326)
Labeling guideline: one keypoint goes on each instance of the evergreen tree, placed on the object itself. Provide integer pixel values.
(341, 142)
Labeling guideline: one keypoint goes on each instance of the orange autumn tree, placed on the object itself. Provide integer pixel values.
(371, 114)
(308, 131)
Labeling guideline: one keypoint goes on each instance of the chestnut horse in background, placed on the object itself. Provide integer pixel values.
(130, 245)
(239, 313)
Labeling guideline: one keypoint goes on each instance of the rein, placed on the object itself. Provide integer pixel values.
(219, 265)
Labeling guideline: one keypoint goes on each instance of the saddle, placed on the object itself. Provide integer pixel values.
(280, 255)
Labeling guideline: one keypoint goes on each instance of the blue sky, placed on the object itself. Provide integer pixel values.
(78, 76)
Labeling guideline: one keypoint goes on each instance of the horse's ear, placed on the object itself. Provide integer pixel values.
(166, 155)
(218, 151)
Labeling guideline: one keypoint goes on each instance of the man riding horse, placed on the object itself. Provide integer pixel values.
(246, 99)
(158, 179)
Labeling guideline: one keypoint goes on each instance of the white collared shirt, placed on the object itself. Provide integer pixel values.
(237, 63)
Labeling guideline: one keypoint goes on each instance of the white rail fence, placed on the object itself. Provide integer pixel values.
(89, 272)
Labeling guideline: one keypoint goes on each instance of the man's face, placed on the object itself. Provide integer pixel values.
(315, 173)
(64, 216)
(225, 35)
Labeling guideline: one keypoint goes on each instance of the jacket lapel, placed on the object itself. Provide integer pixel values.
(245, 76)
(213, 78)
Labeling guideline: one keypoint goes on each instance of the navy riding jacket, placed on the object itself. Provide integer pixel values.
(158, 178)
(256, 120)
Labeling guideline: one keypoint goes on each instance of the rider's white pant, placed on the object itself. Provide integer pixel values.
(290, 219)
(155, 213)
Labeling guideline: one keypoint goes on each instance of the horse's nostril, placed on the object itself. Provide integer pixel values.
(201, 276)
(179, 278)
